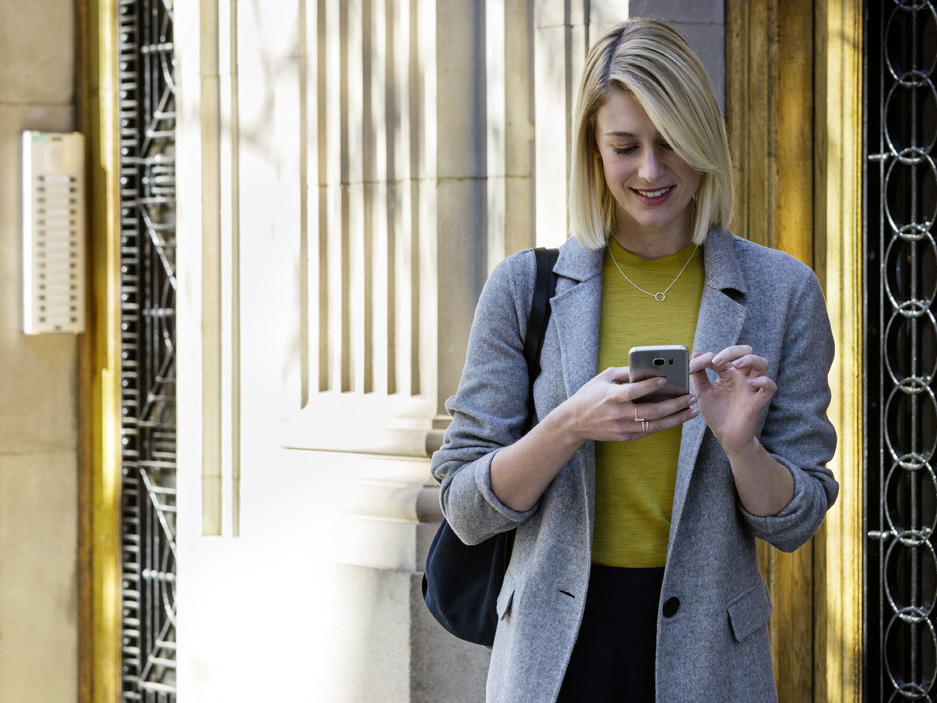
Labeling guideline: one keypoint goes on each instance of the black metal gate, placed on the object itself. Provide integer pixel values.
(901, 343)
(147, 114)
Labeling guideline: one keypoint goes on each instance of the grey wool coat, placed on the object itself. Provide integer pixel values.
(712, 644)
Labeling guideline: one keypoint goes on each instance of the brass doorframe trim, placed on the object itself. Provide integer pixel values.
(770, 107)
(839, 145)
(99, 363)
(794, 103)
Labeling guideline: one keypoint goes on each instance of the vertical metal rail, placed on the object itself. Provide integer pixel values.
(901, 409)
(148, 291)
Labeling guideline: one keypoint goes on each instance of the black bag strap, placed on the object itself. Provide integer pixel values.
(544, 287)
(461, 583)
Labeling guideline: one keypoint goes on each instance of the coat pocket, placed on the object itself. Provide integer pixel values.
(506, 596)
(749, 611)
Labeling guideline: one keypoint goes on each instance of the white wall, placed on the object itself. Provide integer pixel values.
(38, 410)
(298, 568)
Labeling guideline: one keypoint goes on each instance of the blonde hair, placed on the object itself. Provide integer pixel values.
(652, 62)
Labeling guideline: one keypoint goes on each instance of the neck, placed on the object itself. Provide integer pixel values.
(653, 241)
(652, 247)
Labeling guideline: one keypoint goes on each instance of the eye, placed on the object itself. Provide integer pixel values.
(624, 149)
(665, 145)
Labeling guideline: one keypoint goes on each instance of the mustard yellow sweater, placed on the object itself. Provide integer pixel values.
(634, 481)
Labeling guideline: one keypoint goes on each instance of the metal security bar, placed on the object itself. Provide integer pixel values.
(901, 409)
(148, 357)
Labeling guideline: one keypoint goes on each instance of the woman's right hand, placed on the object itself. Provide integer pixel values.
(609, 409)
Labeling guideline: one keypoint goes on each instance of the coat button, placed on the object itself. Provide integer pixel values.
(671, 606)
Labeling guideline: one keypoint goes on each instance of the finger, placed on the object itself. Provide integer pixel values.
(757, 364)
(698, 375)
(636, 391)
(663, 408)
(700, 361)
(639, 411)
(763, 383)
(700, 383)
(730, 354)
(729, 374)
(650, 427)
(616, 374)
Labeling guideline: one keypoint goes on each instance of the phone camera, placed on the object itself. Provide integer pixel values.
(659, 362)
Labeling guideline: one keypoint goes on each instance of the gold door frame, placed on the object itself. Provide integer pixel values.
(794, 99)
(809, 206)
(99, 365)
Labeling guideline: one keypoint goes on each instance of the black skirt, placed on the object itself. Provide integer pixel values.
(613, 660)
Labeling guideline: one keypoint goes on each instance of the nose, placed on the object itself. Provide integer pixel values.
(650, 168)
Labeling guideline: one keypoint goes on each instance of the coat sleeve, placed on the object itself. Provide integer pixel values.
(489, 411)
(797, 431)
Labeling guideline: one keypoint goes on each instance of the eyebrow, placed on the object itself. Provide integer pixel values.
(625, 134)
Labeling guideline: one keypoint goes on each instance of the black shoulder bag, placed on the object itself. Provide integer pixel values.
(461, 583)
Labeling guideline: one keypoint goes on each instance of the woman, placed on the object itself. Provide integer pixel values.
(634, 572)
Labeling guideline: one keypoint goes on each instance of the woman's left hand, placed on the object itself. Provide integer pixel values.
(731, 404)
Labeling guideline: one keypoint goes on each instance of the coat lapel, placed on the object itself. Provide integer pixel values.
(721, 316)
(575, 309)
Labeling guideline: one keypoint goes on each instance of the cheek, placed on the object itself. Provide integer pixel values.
(696, 179)
(613, 175)
(690, 177)
(607, 174)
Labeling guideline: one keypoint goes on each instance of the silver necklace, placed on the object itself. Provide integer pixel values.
(659, 296)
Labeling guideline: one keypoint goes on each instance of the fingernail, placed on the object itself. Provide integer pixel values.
(738, 363)
(661, 381)
(717, 359)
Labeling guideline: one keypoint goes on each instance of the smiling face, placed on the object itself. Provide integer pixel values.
(652, 186)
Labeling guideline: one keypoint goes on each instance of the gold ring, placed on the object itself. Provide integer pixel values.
(636, 418)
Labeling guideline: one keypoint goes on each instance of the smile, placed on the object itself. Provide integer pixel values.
(653, 198)
(653, 193)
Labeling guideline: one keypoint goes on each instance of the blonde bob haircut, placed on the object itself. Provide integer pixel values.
(652, 62)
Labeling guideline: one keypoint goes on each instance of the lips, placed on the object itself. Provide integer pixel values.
(653, 197)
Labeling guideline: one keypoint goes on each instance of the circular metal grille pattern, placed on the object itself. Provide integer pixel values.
(902, 62)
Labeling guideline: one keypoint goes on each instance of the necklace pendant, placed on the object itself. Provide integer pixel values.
(659, 296)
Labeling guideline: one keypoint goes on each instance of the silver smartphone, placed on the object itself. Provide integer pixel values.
(670, 361)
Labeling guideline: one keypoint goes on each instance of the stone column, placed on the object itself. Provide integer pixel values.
(350, 172)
